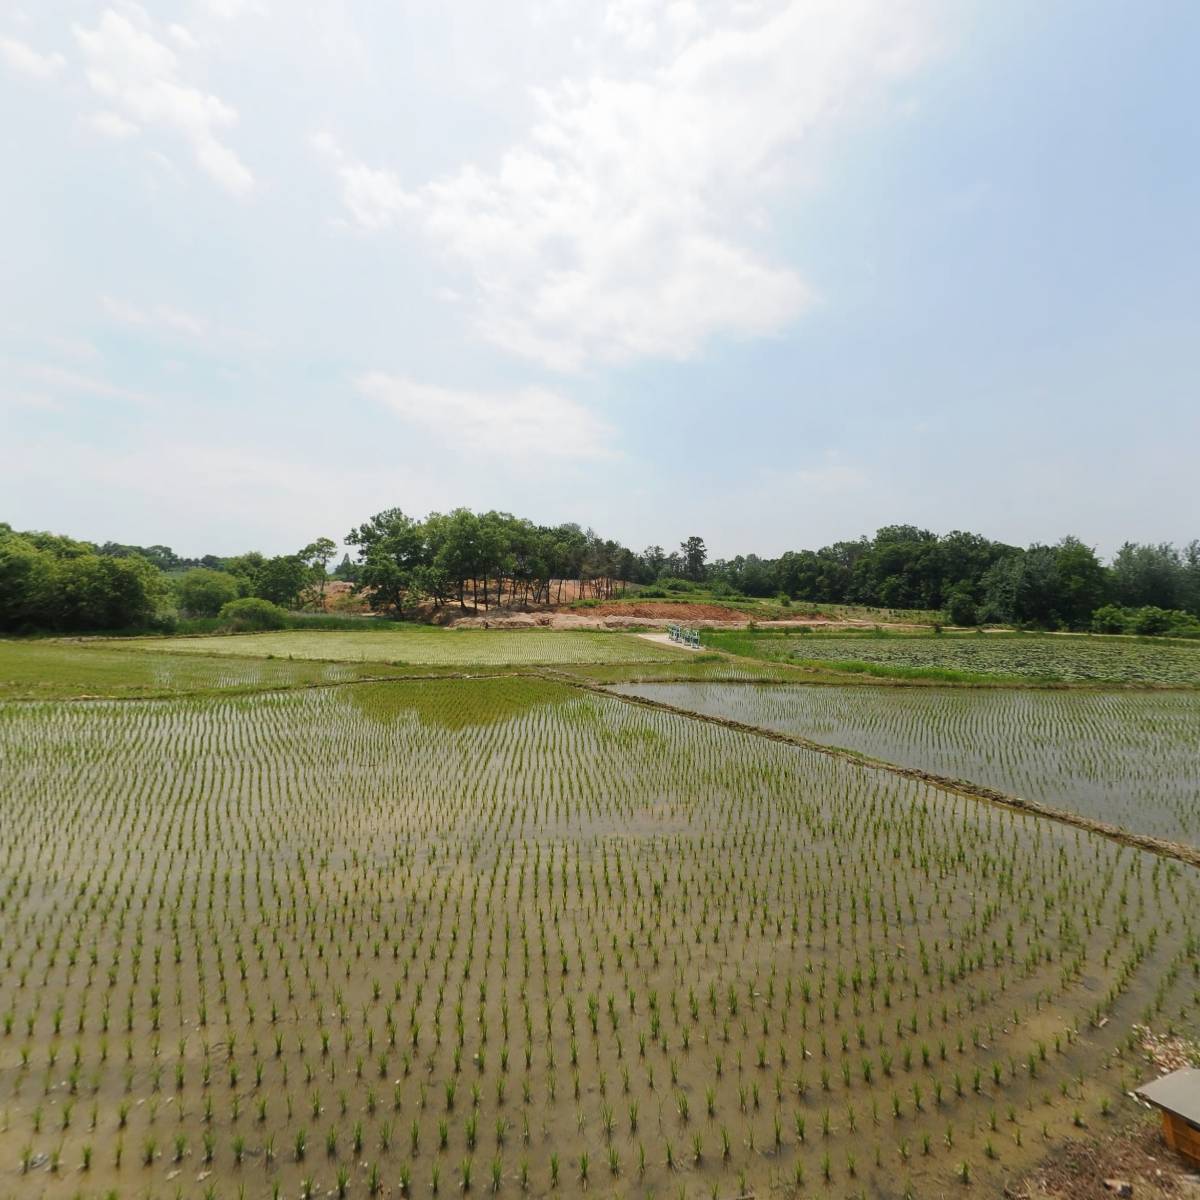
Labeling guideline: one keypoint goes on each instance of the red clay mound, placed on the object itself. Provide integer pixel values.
(666, 611)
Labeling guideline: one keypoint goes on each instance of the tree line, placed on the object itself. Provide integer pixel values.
(975, 580)
(482, 560)
(487, 558)
(53, 583)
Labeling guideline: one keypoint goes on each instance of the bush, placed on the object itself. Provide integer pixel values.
(674, 584)
(203, 593)
(961, 608)
(1147, 621)
(1111, 618)
(652, 593)
(252, 613)
(1151, 621)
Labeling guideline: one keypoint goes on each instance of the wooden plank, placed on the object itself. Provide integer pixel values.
(1181, 1137)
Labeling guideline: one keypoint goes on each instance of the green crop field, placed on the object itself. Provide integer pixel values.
(418, 644)
(1128, 758)
(52, 669)
(986, 657)
(504, 935)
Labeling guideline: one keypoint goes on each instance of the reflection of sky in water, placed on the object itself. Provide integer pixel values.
(1132, 758)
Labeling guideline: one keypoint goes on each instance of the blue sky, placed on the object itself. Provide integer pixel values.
(774, 273)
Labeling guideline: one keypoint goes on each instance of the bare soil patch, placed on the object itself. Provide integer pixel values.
(631, 616)
(339, 597)
(607, 616)
(1094, 1170)
(672, 611)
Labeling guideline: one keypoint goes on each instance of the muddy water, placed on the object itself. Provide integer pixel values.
(255, 928)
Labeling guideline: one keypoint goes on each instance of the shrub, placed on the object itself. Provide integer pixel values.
(1150, 621)
(652, 593)
(961, 608)
(204, 593)
(251, 613)
(1111, 618)
(1147, 621)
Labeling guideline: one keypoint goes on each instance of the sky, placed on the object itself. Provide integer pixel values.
(772, 272)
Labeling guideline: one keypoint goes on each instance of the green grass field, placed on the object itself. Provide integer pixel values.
(965, 658)
(63, 670)
(46, 669)
(422, 645)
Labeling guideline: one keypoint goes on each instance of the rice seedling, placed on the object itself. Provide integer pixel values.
(47, 669)
(248, 900)
(1124, 757)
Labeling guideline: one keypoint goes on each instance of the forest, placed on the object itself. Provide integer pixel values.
(50, 582)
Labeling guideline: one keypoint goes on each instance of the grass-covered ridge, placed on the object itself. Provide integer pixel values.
(976, 657)
(693, 667)
(423, 645)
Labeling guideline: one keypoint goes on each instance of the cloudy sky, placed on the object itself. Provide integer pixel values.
(770, 271)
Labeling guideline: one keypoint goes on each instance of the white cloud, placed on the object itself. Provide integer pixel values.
(229, 10)
(138, 74)
(376, 199)
(620, 227)
(26, 60)
(183, 37)
(32, 401)
(633, 21)
(642, 25)
(62, 379)
(831, 477)
(530, 423)
(162, 316)
(145, 487)
(161, 469)
(111, 125)
(82, 349)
